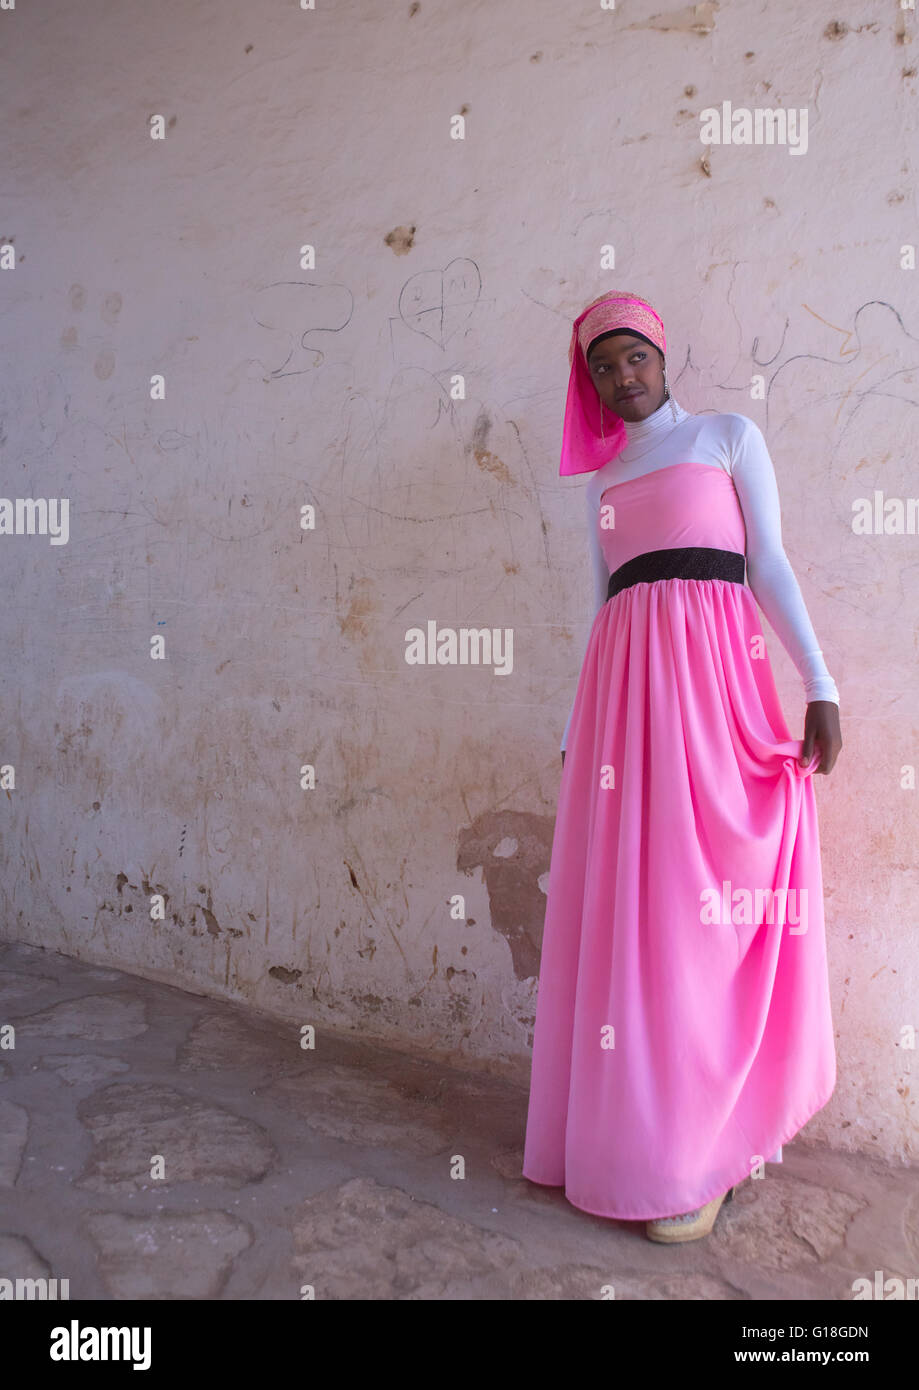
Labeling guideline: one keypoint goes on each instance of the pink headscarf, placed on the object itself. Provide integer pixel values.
(584, 449)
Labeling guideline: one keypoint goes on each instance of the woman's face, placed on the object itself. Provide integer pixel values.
(628, 374)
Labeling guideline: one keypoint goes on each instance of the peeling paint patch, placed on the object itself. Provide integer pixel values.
(692, 19)
(400, 240)
(512, 877)
(370, 1002)
(483, 456)
(287, 977)
(354, 624)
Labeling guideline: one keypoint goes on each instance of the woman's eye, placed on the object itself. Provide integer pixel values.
(604, 366)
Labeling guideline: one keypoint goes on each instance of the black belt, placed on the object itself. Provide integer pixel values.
(690, 562)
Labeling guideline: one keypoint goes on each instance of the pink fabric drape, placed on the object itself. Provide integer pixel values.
(722, 1030)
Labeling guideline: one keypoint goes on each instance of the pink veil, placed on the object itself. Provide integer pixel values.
(584, 448)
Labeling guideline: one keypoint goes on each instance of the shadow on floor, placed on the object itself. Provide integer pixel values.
(156, 1144)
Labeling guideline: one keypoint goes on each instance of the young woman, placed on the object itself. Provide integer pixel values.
(683, 1027)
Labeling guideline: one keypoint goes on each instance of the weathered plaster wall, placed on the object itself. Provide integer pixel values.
(331, 386)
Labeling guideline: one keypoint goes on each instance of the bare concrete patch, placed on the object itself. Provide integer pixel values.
(20, 1260)
(167, 1256)
(21, 985)
(366, 1241)
(81, 1069)
(131, 1124)
(509, 1163)
(346, 1104)
(363, 1240)
(224, 1042)
(14, 1131)
(782, 1224)
(95, 1017)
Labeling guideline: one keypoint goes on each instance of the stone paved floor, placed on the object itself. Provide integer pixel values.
(332, 1168)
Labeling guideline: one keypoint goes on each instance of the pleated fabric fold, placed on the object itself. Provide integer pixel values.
(683, 1028)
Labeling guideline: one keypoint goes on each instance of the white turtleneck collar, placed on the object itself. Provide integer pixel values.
(653, 440)
(655, 425)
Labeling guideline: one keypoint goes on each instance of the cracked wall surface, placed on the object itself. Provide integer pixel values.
(161, 820)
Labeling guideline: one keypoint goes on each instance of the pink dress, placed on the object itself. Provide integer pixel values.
(683, 1025)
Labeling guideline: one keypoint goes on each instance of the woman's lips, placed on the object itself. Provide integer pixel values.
(629, 395)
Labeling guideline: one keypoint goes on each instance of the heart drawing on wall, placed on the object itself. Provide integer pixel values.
(436, 303)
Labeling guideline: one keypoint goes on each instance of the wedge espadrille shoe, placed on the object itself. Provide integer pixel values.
(691, 1225)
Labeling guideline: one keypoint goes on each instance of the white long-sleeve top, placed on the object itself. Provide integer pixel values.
(736, 445)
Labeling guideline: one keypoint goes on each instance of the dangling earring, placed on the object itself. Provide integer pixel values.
(667, 390)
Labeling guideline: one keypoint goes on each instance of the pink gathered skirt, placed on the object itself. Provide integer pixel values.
(683, 1026)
